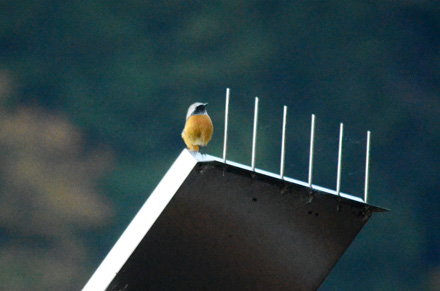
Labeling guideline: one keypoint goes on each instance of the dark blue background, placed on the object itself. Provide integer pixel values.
(94, 94)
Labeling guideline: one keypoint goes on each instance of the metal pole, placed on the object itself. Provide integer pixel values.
(254, 140)
(338, 179)
(367, 165)
(283, 142)
(225, 140)
(312, 141)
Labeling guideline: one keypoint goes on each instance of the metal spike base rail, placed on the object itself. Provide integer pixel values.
(312, 137)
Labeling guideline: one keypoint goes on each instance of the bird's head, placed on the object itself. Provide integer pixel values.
(197, 108)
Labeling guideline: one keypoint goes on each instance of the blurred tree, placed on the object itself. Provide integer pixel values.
(48, 198)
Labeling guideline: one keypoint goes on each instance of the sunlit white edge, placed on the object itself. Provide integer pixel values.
(142, 222)
(207, 158)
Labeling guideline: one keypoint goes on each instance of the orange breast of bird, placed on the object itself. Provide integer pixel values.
(198, 131)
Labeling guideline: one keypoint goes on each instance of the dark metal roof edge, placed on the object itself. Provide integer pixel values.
(285, 182)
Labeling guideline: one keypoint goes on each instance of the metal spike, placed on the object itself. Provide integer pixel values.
(225, 140)
(254, 140)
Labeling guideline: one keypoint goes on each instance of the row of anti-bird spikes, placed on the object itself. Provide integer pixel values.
(283, 148)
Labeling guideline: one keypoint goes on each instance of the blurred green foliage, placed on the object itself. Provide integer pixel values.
(88, 84)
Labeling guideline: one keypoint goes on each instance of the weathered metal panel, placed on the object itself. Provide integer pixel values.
(228, 228)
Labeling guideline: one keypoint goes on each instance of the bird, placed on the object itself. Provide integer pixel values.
(198, 127)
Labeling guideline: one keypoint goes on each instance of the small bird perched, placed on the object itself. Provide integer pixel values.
(198, 127)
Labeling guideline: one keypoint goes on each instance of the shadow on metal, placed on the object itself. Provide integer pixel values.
(226, 227)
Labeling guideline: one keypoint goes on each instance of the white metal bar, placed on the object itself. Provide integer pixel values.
(254, 140)
(283, 142)
(225, 139)
(312, 142)
(338, 179)
(142, 222)
(367, 166)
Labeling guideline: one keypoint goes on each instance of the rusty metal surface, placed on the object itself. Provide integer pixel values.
(228, 228)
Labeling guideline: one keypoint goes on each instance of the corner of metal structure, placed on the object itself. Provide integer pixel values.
(229, 226)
